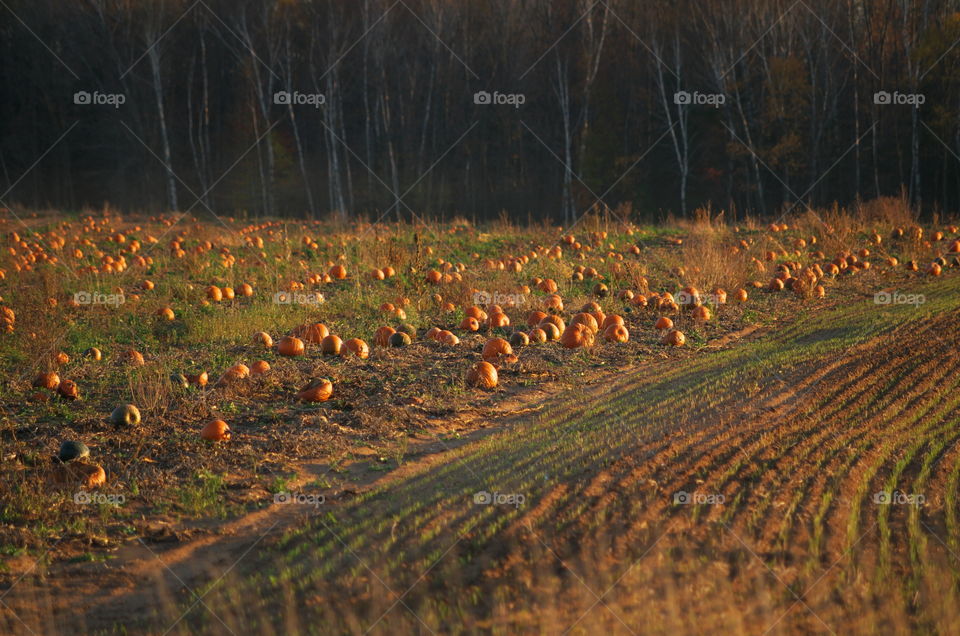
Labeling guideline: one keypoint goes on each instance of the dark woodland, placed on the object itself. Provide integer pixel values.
(537, 109)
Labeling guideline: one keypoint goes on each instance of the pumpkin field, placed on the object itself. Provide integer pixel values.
(700, 426)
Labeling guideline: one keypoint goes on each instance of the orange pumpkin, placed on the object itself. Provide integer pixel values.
(663, 322)
(476, 312)
(216, 431)
(316, 391)
(166, 313)
(577, 335)
(587, 320)
(554, 320)
(240, 370)
(331, 345)
(48, 380)
(498, 320)
(382, 337)
(357, 347)
(612, 319)
(259, 367)
(448, 338)
(78, 474)
(549, 286)
(616, 333)
(133, 358)
(538, 335)
(470, 323)
(673, 338)
(701, 313)
(553, 303)
(68, 390)
(534, 318)
(214, 293)
(482, 375)
(314, 333)
(200, 379)
(495, 348)
(263, 338)
(338, 272)
(290, 346)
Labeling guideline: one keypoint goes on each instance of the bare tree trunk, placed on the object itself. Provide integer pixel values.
(336, 184)
(154, 56)
(563, 96)
(264, 95)
(594, 51)
(680, 141)
(301, 159)
(264, 197)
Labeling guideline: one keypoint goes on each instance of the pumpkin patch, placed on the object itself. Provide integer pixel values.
(451, 333)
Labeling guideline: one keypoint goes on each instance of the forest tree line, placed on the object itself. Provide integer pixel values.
(540, 108)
